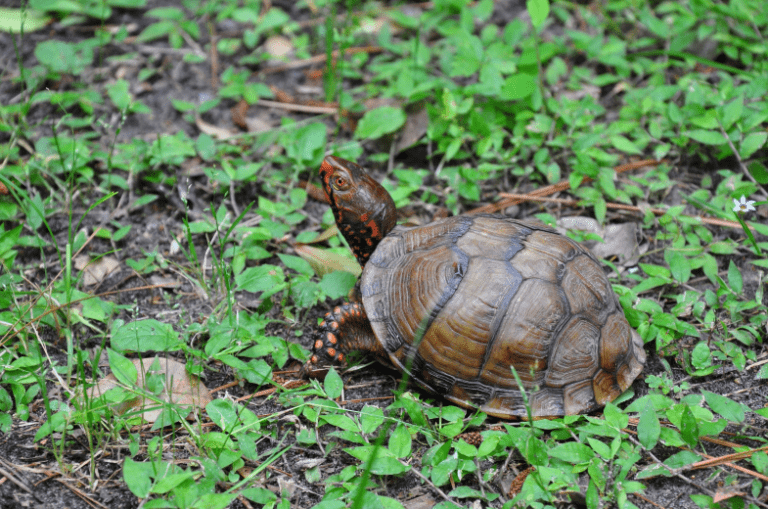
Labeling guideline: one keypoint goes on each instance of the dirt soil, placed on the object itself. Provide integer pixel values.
(34, 475)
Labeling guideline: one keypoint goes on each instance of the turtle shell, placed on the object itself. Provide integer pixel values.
(460, 301)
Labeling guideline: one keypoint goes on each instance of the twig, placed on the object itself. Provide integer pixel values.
(619, 206)
(678, 472)
(319, 59)
(292, 384)
(225, 386)
(313, 192)
(638, 495)
(714, 461)
(426, 480)
(342, 17)
(560, 186)
(12, 330)
(296, 107)
(363, 400)
(672, 471)
(88, 500)
(17, 482)
(756, 364)
(214, 56)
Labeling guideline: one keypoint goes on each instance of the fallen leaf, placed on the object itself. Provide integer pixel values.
(238, 114)
(420, 502)
(618, 239)
(582, 92)
(325, 235)
(324, 261)
(185, 389)
(95, 272)
(257, 125)
(310, 463)
(279, 48)
(415, 127)
(287, 487)
(212, 130)
(726, 493)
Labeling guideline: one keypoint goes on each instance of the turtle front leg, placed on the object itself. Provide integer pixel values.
(343, 330)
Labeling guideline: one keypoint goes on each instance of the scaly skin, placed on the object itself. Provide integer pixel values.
(365, 213)
(345, 329)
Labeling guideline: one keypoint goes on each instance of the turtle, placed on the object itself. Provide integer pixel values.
(457, 303)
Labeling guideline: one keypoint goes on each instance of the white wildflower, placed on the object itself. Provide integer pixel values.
(743, 205)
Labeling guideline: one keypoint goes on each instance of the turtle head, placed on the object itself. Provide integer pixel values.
(363, 209)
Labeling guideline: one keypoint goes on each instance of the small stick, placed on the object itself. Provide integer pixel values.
(297, 107)
(560, 186)
(319, 59)
(617, 206)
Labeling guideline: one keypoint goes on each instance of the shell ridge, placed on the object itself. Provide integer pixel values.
(412, 358)
(515, 280)
(558, 331)
(448, 293)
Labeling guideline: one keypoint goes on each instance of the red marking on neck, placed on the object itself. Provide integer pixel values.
(325, 170)
(375, 233)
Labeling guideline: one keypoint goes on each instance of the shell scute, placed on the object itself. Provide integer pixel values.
(459, 302)
(574, 355)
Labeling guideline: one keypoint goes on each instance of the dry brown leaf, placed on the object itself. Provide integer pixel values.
(257, 125)
(420, 502)
(239, 112)
(287, 487)
(618, 239)
(582, 92)
(415, 127)
(308, 463)
(163, 281)
(278, 48)
(212, 130)
(377, 102)
(185, 389)
(332, 231)
(325, 262)
(97, 271)
(372, 26)
(726, 493)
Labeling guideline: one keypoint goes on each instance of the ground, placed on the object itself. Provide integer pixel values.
(83, 474)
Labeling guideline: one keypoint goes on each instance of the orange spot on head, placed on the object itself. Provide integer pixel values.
(331, 352)
(331, 338)
(326, 169)
(375, 232)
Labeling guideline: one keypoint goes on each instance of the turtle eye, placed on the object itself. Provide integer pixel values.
(339, 182)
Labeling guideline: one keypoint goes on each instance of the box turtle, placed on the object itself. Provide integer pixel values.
(456, 303)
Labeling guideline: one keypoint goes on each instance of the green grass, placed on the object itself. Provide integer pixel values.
(585, 89)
